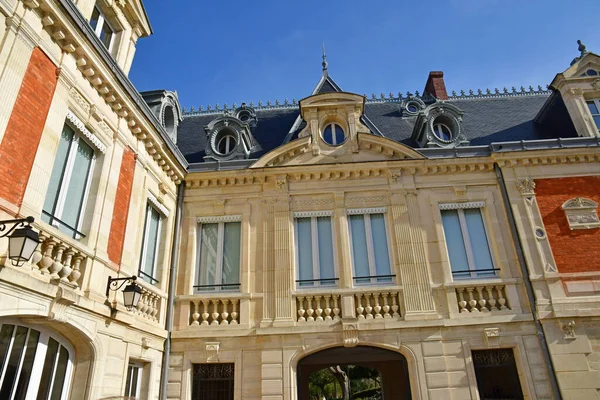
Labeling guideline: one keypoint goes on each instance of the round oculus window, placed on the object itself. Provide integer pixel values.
(442, 131)
(333, 134)
(225, 142)
(169, 119)
(591, 72)
(412, 108)
(244, 116)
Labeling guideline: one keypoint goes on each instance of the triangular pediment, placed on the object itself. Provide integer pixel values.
(581, 67)
(371, 148)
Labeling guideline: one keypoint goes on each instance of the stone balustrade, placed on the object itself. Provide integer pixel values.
(214, 311)
(60, 259)
(482, 299)
(375, 305)
(151, 302)
(312, 308)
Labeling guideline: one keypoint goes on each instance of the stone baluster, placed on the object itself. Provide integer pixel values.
(76, 273)
(318, 310)
(395, 306)
(66, 270)
(57, 265)
(491, 299)
(501, 299)
(155, 305)
(301, 310)
(47, 260)
(215, 313)
(368, 308)
(336, 309)
(386, 307)
(482, 302)
(195, 314)
(309, 309)
(234, 312)
(462, 304)
(225, 314)
(37, 254)
(205, 313)
(472, 301)
(327, 308)
(377, 307)
(359, 308)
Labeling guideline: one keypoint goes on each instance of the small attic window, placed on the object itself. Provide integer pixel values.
(333, 134)
(225, 142)
(412, 108)
(581, 213)
(169, 119)
(441, 130)
(594, 107)
(590, 72)
(244, 116)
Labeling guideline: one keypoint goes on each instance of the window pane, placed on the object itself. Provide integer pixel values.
(27, 365)
(10, 370)
(305, 267)
(208, 254)
(231, 254)
(95, 18)
(60, 374)
(48, 370)
(597, 121)
(58, 169)
(479, 243)
(325, 238)
(106, 35)
(135, 371)
(380, 247)
(77, 185)
(455, 244)
(149, 261)
(593, 108)
(359, 247)
(128, 381)
(327, 135)
(339, 134)
(5, 336)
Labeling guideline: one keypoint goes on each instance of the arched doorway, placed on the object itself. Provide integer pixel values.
(388, 367)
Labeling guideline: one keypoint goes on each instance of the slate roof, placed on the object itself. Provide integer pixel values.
(486, 119)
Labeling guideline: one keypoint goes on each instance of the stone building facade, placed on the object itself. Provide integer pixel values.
(449, 241)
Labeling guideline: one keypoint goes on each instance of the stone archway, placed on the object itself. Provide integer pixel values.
(392, 366)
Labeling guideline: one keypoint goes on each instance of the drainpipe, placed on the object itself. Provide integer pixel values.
(164, 371)
(528, 285)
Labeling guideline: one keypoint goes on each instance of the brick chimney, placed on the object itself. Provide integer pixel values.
(435, 85)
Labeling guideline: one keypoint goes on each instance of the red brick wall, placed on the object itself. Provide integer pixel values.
(116, 238)
(574, 250)
(25, 125)
(435, 85)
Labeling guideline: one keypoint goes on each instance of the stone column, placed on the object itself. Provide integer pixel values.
(343, 242)
(283, 274)
(417, 292)
(268, 270)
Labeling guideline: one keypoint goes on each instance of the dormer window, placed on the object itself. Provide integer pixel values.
(333, 134)
(594, 106)
(225, 142)
(101, 28)
(442, 131)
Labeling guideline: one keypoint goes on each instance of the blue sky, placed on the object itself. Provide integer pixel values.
(233, 51)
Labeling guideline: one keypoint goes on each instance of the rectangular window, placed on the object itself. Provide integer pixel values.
(496, 374)
(594, 106)
(370, 253)
(102, 28)
(213, 381)
(134, 380)
(219, 256)
(68, 189)
(314, 255)
(149, 257)
(467, 243)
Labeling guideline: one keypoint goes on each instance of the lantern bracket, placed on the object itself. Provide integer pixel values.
(5, 230)
(113, 283)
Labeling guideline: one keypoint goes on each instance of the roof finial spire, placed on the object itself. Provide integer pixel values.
(582, 48)
(324, 63)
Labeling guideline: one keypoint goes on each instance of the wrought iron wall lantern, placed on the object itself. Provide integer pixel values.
(131, 294)
(22, 241)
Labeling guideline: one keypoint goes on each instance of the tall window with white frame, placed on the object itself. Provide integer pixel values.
(102, 28)
(133, 381)
(314, 249)
(594, 107)
(150, 245)
(69, 184)
(467, 241)
(370, 251)
(219, 242)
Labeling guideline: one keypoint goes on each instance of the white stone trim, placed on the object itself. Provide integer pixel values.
(581, 213)
(457, 206)
(158, 205)
(358, 211)
(80, 126)
(219, 218)
(309, 214)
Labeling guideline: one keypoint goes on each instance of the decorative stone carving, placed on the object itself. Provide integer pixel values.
(424, 131)
(212, 351)
(581, 213)
(491, 337)
(526, 187)
(61, 302)
(350, 333)
(146, 343)
(569, 330)
(229, 138)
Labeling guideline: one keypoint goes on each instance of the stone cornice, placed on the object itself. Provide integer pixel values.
(102, 77)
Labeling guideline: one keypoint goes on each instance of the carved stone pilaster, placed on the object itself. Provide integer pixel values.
(418, 296)
(268, 264)
(284, 307)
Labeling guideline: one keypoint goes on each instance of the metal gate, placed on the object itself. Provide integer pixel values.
(213, 382)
